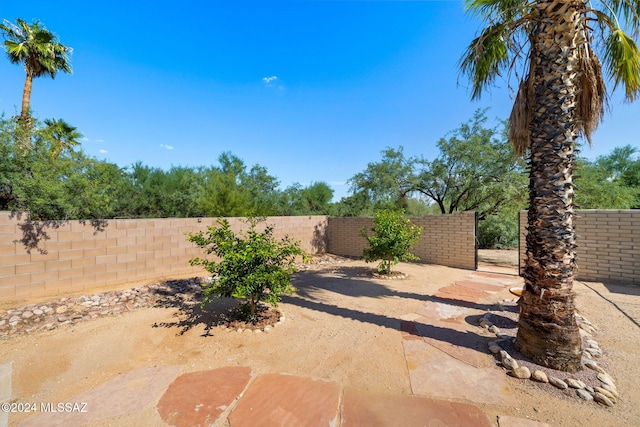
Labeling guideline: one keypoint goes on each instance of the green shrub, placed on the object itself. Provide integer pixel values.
(253, 266)
(393, 236)
(498, 231)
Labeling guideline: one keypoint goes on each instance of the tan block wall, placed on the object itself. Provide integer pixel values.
(446, 239)
(74, 256)
(608, 245)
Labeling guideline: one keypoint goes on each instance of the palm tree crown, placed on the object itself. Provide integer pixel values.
(503, 44)
(63, 136)
(38, 50)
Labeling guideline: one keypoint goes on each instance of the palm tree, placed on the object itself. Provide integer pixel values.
(38, 50)
(62, 135)
(561, 96)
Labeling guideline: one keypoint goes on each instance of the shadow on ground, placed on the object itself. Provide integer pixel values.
(348, 281)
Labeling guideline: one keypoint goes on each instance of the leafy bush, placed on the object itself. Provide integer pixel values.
(498, 231)
(253, 266)
(393, 236)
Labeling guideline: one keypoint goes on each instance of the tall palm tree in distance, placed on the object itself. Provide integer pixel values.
(38, 50)
(561, 96)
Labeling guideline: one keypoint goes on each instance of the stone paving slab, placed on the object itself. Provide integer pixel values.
(433, 373)
(198, 398)
(456, 342)
(463, 293)
(440, 311)
(5, 391)
(125, 394)
(381, 410)
(451, 360)
(481, 285)
(287, 401)
(506, 279)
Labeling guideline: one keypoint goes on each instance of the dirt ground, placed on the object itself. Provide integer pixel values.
(342, 326)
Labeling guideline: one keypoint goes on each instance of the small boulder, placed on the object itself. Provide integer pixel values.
(540, 376)
(521, 372)
(558, 383)
(584, 394)
(601, 398)
(573, 383)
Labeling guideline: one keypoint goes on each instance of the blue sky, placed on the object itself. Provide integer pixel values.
(312, 90)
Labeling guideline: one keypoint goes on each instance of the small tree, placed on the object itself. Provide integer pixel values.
(253, 266)
(393, 236)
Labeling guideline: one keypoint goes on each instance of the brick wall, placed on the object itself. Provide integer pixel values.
(54, 257)
(608, 245)
(446, 239)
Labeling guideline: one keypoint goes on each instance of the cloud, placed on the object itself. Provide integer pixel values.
(85, 139)
(269, 80)
(103, 151)
(168, 147)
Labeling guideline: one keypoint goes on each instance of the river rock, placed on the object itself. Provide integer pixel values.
(584, 394)
(605, 392)
(592, 364)
(510, 363)
(601, 398)
(594, 351)
(611, 390)
(592, 343)
(485, 323)
(605, 378)
(540, 376)
(521, 372)
(61, 310)
(38, 312)
(495, 348)
(558, 383)
(573, 383)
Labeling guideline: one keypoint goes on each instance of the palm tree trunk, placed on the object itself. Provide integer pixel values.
(547, 328)
(26, 96)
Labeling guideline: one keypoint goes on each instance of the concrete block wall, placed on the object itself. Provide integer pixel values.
(608, 245)
(446, 239)
(56, 257)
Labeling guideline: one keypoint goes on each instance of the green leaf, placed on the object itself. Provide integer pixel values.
(622, 60)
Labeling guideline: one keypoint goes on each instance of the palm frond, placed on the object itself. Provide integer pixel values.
(593, 93)
(629, 10)
(521, 115)
(497, 9)
(485, 56)
(622, 60)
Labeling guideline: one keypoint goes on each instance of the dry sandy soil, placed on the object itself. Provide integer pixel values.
(341, 326)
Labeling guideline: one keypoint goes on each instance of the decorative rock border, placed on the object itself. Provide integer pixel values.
(604, 393)
(64, 311)
(395, 275)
